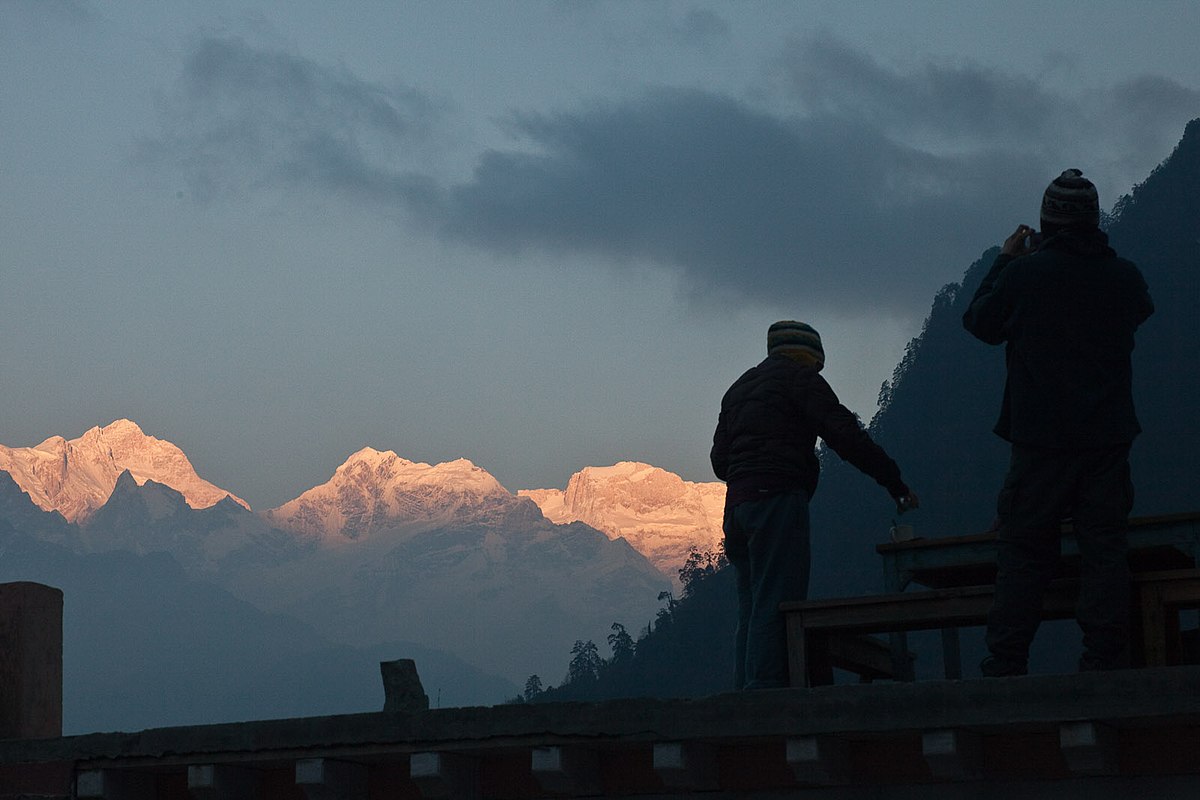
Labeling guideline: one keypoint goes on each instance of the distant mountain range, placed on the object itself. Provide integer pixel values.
(657, 512)
(663, 516)
(387, 551)
(76, 477)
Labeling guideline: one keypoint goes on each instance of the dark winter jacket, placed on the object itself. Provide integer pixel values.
(766, 434)
(1068, 313)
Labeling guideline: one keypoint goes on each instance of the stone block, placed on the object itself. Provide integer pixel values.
(402, 689)
(819, 760)
(1089, 748)
(953, 754)
(570, 770)
(445, 775)
(111, 784)
(30, 661)
(221, 782)
(686, 765)
(329, 779)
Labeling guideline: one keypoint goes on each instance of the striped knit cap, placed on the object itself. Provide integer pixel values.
(1070, 199)
(796, 340)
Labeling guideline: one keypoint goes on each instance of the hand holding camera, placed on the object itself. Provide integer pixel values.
(1023, 241)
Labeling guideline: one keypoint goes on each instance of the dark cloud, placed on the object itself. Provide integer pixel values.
(880, 186)
(874, 188)
(1119, 132)
(1145, 116)
(243, 118)
(742, 202)
(959, 101)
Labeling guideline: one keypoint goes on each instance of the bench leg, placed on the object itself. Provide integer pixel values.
(951, 654)
(1154, 627)
(797, 648)
(901, 666)
(820, 667)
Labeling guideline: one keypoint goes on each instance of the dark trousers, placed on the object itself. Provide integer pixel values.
(1043, 487)
(767, 542)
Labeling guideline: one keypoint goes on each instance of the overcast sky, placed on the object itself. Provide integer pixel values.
(537, 235)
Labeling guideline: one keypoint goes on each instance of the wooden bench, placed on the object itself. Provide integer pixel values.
(816, 629)
(813, 624)
(1161, 596)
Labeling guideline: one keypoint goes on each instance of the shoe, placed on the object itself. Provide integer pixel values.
(994, 667)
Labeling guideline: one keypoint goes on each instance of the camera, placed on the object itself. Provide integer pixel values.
(1033, 241)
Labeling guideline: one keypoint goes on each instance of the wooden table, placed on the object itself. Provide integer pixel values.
(823, 634)
(1164, 552)
(1156, 544)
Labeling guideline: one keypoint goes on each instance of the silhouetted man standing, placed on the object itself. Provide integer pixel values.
(1067, 308)
(763, 449)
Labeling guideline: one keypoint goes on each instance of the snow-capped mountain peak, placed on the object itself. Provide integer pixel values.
(75, 477)
(656, 511)
(375, 490)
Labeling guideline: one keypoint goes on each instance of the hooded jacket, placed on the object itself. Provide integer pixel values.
(1067, 315)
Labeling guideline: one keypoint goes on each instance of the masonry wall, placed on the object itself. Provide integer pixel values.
(31, 671)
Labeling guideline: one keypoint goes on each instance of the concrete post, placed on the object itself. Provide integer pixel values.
(451, 775)
(686, 765)
(569, 770)
(329, 779)
(953, 754)
(819, 760)
(30, 661)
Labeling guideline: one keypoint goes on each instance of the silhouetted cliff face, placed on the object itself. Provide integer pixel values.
(937, 421)
(1159, 228)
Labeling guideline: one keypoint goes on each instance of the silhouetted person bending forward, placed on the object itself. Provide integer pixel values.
(1066, 309)
(764, 450)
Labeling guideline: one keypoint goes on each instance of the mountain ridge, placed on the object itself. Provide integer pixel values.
(76, 477)
(662, 516)
(386, 550)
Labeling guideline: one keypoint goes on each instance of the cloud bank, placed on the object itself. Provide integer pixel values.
(844, 181)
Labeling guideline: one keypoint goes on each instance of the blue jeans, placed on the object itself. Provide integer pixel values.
(767, 541)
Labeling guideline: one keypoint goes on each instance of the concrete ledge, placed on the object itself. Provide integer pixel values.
(1169, 695)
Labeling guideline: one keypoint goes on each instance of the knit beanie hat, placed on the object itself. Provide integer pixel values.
(1070, 200)
(796, 340)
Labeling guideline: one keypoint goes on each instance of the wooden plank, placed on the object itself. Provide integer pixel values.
(863, 655)
(1161, 595)
(1165, 519)
(937, 542)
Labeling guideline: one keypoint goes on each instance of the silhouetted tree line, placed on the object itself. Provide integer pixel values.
(685, 651)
